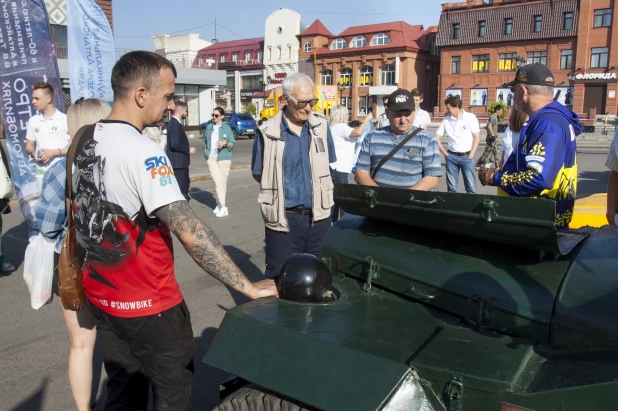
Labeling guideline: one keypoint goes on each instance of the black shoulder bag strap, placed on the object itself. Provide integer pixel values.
(395, 150)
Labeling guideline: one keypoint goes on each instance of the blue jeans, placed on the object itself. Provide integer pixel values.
(453, 165)
(338, 177)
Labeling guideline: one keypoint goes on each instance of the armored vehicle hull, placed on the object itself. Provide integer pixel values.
(440, 307)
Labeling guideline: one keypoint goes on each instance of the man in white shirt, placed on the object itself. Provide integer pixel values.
(47, 132)
(463, 133)
(383, 119)
(421, 118)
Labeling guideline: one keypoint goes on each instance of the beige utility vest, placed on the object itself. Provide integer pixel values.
(272, 196)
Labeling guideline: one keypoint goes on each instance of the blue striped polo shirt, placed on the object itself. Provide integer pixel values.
(418, 158)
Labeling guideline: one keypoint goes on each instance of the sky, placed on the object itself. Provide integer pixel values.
(136, 20)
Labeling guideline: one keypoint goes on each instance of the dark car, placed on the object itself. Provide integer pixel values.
(242, 124)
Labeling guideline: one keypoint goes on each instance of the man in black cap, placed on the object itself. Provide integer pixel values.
(544, 162)
(414, 165)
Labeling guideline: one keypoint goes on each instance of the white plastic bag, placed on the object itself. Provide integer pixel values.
(39, 270)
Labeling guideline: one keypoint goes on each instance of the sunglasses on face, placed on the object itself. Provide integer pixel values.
(216, 115)
(303, 103)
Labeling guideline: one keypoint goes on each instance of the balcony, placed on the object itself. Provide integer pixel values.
(202, 62)
(180, 60)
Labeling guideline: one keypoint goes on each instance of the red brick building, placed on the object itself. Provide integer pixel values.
(482, 43)
(366, 62)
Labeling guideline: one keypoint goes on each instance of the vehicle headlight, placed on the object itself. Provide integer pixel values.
(238, 123)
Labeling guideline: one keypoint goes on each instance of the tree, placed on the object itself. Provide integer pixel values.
(252, 109)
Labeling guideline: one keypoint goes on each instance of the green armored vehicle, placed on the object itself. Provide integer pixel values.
(441, 301)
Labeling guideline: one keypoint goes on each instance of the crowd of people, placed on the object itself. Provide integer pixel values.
(128, 203)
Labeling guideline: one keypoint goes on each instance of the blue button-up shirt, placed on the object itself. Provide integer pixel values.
(296, 166)
(50, 210)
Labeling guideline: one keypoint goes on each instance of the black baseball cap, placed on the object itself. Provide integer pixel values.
(401, 100)
(535, 74)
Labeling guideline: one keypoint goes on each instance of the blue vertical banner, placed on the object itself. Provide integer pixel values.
(27, 56)
(91, 51)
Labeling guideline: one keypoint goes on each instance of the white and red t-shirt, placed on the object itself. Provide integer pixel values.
(120, 177)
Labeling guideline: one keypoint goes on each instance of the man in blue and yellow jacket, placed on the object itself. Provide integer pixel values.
(544, 162)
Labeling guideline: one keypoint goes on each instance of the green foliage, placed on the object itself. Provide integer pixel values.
(251, 109)
(492, 107)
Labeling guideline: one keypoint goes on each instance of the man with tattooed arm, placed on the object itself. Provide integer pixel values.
(125, 246)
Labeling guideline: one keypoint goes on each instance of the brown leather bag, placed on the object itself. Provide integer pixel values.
(70, 287)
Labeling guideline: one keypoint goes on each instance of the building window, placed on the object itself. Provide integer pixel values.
(247, 55)
(347, 103)
(279, 53)
(455, 65)
(602, 18)
(380, 39)
(270, 53)
(366, 76)
(387, 75)
(480, 63)
(222, 58)
(363, 105)
(307, 47)
(598, 58)
(260, 55)
(482, 26)
(566, 59)
(326, 78)
(254, 82)
(508, 26)
(538, 24)
(507, 62)
(339, 44)
(568, 21)
(358, 41)
(435, 50)
(289, 52)
(234, 57)
(537, 57)
(456, 31)
(345, 77)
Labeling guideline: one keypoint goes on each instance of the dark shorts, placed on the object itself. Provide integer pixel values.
(155, 350)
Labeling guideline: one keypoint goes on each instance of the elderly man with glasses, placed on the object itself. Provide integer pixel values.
(291, 156)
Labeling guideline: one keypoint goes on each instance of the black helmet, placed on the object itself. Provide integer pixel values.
(304, 277)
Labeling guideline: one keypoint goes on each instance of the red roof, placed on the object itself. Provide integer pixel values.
(403, 36)
(317, 29)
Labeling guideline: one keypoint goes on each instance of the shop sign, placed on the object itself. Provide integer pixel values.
(278, 79)
(595, 76)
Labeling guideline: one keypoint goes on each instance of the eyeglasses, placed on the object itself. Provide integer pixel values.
(79, 100)
(303, 103)
(216, 115)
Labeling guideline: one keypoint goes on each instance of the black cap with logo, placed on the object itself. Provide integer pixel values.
(401, 100)
(535, 74)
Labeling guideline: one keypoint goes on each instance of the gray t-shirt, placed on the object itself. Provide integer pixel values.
(493, 120)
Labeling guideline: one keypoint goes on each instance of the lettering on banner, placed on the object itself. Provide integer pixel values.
(595, 76)
(92, 83)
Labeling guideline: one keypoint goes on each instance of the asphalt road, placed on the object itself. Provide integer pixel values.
(34, 345)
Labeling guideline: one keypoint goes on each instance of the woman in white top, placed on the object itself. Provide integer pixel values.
(511, 133)
(344, 138)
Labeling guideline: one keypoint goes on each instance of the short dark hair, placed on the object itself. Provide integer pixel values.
(416, 93)
(180, 103)
(498, 108)
(137, 67)
(42, 85)
(220, 110)
(453, 101)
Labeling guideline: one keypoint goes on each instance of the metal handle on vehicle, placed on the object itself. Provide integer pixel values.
(419, 294)
(424, 202)
(372, 198)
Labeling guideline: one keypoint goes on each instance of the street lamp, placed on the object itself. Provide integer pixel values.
(571, 77)
(520, 61)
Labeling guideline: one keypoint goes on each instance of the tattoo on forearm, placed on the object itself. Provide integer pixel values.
(201, 243)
